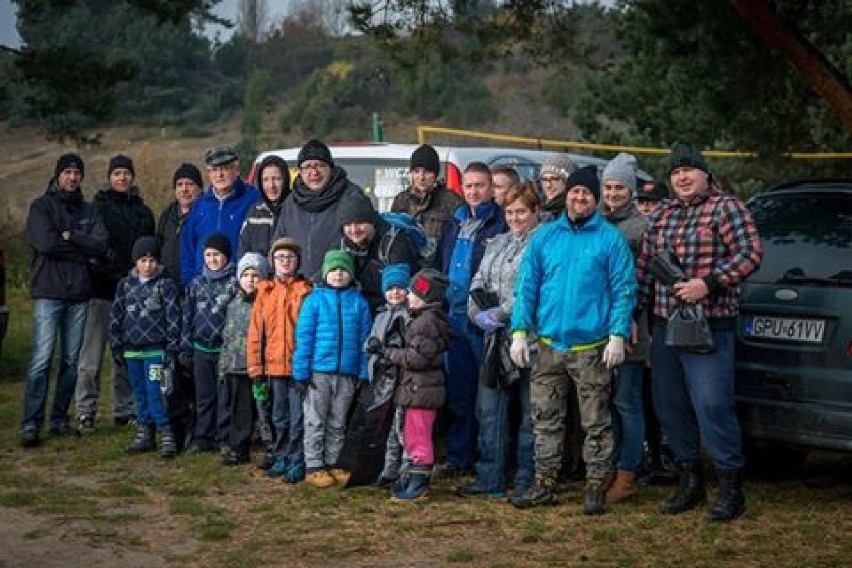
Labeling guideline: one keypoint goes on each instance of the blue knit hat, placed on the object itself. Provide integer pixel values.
(395, 275)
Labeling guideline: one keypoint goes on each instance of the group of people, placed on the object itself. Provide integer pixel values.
(525, 332)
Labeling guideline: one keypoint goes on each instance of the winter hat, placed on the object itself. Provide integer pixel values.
(220, 242)
(395, 275)
(557, 165)
(622, 168)
(120, 161)
(426, 157)
(587, 177)
(652, 191)
(429, 285)
(253, 260)
(358, 210)
(188, 171)
(69, 160)
(314, 150)
(221, 156)
(273, 160)
(285, 243)
(145, 246)
(685, 154)
(337, 259)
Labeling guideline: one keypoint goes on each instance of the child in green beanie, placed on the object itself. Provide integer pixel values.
(333, 325)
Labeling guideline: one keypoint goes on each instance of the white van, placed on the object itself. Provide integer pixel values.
(381, 169)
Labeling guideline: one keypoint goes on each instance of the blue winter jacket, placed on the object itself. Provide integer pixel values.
(576, 285)
(459, 258)
(209, 215)
(333, 325)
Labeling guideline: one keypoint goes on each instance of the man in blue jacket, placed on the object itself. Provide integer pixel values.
(576, 288)
(66, 235)
(460, 251)
(220, 209)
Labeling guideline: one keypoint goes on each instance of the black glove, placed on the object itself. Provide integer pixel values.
(185, 358)
(374, 346)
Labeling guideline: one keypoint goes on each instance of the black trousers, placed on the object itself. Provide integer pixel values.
(242, 413)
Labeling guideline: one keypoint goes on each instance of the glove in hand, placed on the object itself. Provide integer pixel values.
(260, 390)
(487, 321)
(374, 346)
(613, 353)
(519, 352)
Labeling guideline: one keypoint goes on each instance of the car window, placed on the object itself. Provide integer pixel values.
(526, 168)
(381, 178)
(805, 236)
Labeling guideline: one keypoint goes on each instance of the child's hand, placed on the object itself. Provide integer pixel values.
(374, 346)
(260, 390)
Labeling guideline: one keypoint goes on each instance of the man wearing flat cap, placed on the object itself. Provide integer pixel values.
(715, 241)
(222, 208)
(311, 214)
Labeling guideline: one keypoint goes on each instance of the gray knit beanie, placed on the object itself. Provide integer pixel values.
(253, 260)
(622, 168)
(557, 165)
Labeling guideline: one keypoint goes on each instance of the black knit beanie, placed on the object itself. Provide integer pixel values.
(120, 161)
(427, 158)
(145, 246)
(69, 160)
(429, 285)
(220, 242)
(684, 154)
(315, 150)
(588, 178)
(358, 210)
(188, 171)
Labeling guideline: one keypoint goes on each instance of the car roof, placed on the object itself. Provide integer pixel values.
(816, 184)
(461, 156)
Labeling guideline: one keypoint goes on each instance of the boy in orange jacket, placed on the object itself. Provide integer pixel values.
(270, 355)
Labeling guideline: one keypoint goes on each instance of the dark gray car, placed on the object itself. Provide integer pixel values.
(794, 338)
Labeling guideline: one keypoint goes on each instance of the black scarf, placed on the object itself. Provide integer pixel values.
(318, 201)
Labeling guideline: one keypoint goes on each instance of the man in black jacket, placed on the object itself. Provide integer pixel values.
(273, 178)
(65, 234)
(311, 213)
(126, 218)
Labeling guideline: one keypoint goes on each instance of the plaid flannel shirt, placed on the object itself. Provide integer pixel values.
(715, 239)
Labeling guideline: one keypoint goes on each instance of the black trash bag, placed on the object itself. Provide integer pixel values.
(363, 453)
(497, 370)
(689, 330)
(484, 300)
(666, 268)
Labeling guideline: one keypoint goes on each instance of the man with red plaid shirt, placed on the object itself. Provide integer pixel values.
(715, 240)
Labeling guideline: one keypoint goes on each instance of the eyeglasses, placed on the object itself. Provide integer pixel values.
(284, 257)
(313, 166)
(549, 179)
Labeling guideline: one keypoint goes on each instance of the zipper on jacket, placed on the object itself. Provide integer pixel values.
(339, 331)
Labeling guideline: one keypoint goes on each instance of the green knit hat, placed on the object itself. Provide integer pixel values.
(337, 259)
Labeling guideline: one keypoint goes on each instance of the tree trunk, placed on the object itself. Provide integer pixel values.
(826, 79)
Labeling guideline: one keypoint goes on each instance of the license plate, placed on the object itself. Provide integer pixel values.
(785, 329)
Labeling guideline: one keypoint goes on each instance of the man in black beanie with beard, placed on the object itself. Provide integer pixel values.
(65, 234)
(311, 214)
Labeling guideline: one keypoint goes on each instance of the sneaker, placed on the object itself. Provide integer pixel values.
(234, 457)
(266, 461)
(63, 430)
(295, 473)
(476, 489)
(30, 438)
(448, 470)
(384, 482)
(196, 448)
(541, 492)
(320, 479)
(86, 424)
(341, 476)
(278, 469)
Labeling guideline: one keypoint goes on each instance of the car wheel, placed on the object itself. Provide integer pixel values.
(772, 460)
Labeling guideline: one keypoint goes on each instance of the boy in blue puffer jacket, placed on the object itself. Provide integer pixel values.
(333, 325)
(207, 298)
(144, 332)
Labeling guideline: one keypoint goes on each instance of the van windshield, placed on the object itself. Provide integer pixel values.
(806, 237)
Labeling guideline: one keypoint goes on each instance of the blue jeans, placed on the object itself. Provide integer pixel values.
(694, 400)
(52, 318)
(149, 397)
(493, 414)
(288, 419)
(463, 360)
(628, 416)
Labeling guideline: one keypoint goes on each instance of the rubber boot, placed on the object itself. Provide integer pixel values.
(623, 488)
(143, 440)
(417, 488)
(730, 502)
(168, 444)
(691, 491)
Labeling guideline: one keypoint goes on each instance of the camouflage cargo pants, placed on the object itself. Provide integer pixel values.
(556, 373)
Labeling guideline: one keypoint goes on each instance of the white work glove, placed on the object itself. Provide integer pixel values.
(613, 353)
(520, 352)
